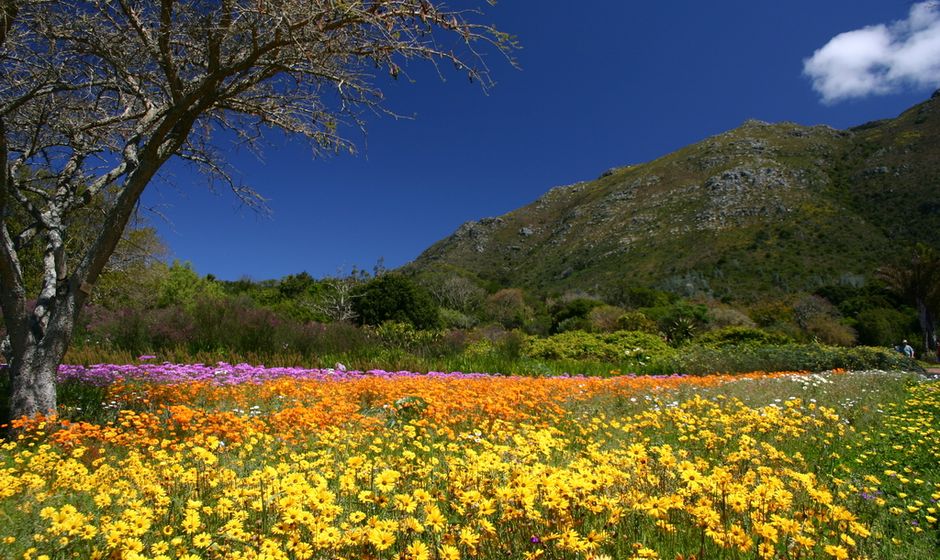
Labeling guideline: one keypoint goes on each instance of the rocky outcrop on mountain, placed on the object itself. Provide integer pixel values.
(761, 208)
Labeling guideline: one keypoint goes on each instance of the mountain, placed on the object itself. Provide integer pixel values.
(762, 210)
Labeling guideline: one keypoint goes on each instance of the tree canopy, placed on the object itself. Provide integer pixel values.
(392, 297)
(918, 282)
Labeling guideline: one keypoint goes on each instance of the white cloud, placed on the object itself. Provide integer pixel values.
(879, 59)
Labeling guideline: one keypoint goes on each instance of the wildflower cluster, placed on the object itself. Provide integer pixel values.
(468, 466)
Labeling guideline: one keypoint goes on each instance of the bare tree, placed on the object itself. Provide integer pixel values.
(337, 303)
(97, 95)
(457, 292)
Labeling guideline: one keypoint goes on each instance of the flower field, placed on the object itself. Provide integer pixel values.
(170, 461)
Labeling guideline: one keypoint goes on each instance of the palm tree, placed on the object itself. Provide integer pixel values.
(918, 282)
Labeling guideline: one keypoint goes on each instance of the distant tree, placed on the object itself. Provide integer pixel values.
(139, 246)
(393, 297)
(509, 308)
(635, 297)
(637, 321)
(97, 95)
(809, 307)
(335, 301)
(820, 320)
(134, 272)
(853, 299)
(721, 316)
(294, 286)
(457, 292)
(573, 314)
(918, 282)
(679, 320)
(184, 287)
(604, 318)
(884, 326)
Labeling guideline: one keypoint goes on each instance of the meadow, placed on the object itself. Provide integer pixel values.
(236, 461)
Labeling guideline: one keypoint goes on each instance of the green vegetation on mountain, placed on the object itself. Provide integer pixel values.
(762, 211)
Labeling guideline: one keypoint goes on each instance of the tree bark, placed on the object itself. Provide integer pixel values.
(34, 363)
(928, 327)
(32, 382)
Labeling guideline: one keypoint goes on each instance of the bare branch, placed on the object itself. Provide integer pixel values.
(97, 95)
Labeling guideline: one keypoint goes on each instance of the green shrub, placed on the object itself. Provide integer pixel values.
(508, 307)
(571, 345)
(722, 316)
(883, 326)
(392, 297)
(678, 321)
(183, 287)
(697, 359)
(616, 347)
(637, 321)
(651, 343)
(404, 336)
(740, 335)
(604, 318)
(830, 330)
(640, 347)
(771, 313)
(453, 319)
(573, 315)
(635, 297)
(572, 324)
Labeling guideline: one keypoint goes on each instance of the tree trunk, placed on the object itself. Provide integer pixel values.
(35, 360)
(32, 382)
(41, 338)
(928, 327)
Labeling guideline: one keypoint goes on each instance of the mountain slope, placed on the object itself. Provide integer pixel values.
(762, 209)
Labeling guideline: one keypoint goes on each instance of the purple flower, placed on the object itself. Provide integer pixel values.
(232, 374)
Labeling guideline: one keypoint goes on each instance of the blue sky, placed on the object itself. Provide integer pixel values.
(601, 84)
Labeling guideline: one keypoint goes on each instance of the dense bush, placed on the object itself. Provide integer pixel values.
(740, 335)
(829, 330)
(185, 314)
(637, 321)
(136, 330)
(884, 327)
(509, 308)
(636, 297)
(771, 314)
(392, 297)
(571, 345)
(853, 300)
(183, 287)
(613, 347)
(679, 320)
(721, 316)
(605, 318)
(453, 319)
(573, 314)
(695, 359)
